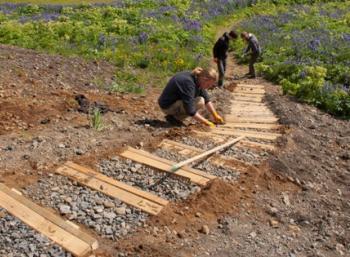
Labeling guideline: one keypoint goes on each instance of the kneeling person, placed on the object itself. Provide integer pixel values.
(186, 93)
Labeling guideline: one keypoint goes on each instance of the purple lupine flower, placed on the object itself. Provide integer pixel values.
(143, 37)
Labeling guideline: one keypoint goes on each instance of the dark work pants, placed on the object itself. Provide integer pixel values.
(221, 68)
(252, 61)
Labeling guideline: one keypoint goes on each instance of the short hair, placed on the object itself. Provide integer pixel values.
(245, 34)
(206, 73)
(233, 34)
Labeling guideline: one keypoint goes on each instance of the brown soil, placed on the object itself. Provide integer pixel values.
(40, 128)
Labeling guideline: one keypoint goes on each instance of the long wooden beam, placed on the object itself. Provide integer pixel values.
(99, 182)
(45, 222)
(252, 134)
(196, 176)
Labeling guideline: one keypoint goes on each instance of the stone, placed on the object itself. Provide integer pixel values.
(64, 209)
(120, 210)
(108, 204)
(198, 214)
(273, 223)
(205, 230)
(252, 234)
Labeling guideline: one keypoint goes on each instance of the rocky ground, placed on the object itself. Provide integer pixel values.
(18, 240)
(297, 204)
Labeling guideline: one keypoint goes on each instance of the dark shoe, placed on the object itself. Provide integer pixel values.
(251, 76)
(173, 121)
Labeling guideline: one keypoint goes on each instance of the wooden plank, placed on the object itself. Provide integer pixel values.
(242, 144)
(116, 183)
(250, 144)
(252, 134)
(251, 86)
(196, 176)
(77, 246)
(111, 190)
(251, 96)
(50, 216)
(217, 159)
(251, 125)
(247, 104)
(206, 153)
(232, 118)
(246, 99)
(253, 115)
(249, 91)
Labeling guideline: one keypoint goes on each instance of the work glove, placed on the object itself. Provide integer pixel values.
(218, 119)
(209, 124)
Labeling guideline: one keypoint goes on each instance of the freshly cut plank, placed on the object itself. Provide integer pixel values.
(54, 227)
(251, 86)
(188, 150)
(253, 115)
(232, 118)
(119, 184)
(196, 176)
(251, 125)
(114, 189)
(251, 91)
(250, 144)
(252, 134)
(206, 153)
(242, 143)
(251, 96)
(246, 99)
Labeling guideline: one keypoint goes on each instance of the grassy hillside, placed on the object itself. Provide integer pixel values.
(306, 48)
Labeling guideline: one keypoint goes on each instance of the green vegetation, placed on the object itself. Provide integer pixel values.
(306, 49)
(96, 120)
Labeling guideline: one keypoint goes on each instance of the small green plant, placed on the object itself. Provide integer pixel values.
(96, 119)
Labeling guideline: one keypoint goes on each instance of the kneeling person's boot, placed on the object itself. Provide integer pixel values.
(173, 121)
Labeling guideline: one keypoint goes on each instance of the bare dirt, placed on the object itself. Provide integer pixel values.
(296, 205)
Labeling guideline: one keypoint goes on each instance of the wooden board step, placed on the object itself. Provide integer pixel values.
(253, 96)
(234, 119)
(251, 91)
(247, 104)
(130, 195)
(251, 134)
(255, 145)
(243, 143)
(62, 232)
(252, 115)
(252, 125)
(217, 159)
(246, 99)
(254, 86)
(196, 176)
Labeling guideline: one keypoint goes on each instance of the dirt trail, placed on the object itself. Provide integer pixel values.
(296, 205)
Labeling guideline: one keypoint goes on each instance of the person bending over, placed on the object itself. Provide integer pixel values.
(186, 93)
(253, 49)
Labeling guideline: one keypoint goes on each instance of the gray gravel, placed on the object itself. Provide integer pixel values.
(247, 155)
(19, 240)
(172, 188)
(206, 166)
(107, 216)
(195, 142)
(244, 154)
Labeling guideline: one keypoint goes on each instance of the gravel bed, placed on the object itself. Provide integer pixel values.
(206, 166)
(19, 240)
(247, 155)
(198, 143)
(172, 188)
(109, 217)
